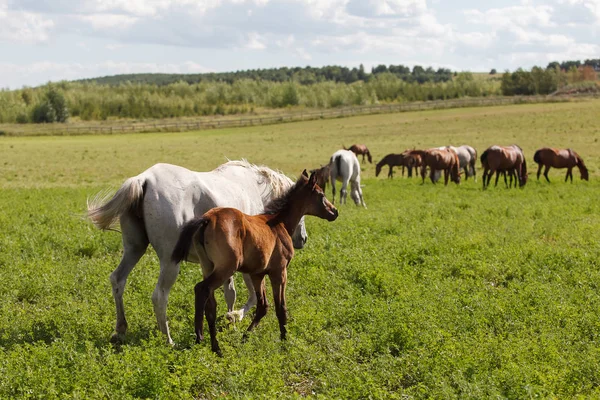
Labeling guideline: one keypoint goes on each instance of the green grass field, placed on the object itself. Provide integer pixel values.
(432, 292)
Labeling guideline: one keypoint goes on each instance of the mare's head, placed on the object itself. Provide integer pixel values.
(582, 168)
(455, 168)
(313, 199)
(378, 167)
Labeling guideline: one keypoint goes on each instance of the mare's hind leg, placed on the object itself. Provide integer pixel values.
(230, 295)
(160, 297)
(539, 171)
(356, 191)
(135, 243)
(344, 191)
(546, 173)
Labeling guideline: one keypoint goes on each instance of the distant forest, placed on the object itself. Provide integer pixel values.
(301, 75)
(143, 96)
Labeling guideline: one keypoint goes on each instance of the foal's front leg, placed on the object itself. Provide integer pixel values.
(278, 283)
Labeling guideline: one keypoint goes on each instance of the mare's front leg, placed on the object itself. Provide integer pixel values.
(230, 296)
(391, 173)
(569, 173)
(446, 173)
(539, 171)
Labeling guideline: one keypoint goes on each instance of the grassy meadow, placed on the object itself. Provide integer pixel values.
(431, 292)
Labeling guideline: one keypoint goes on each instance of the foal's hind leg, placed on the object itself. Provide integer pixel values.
(261, 307)
(569, 174)
(135, 243)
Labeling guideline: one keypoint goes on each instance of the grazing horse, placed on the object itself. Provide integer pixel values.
(467, 156)
(504, 159)
(152, 206)
(360, 149)
(440, 159)
(225, 240)
(559, 158)
(345, 168)
(322, 175)
(397, 160)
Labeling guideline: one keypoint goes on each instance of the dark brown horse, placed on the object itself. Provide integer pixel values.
(404, 159)
(227, 240)
(443, 159)
(322, 175)
(559, 158)
(500, 159)
(360, 149)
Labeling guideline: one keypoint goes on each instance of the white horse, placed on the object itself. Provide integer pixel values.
(344, 167)
(152, 207)
(467, 156)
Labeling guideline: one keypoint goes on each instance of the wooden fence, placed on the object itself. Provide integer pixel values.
(228, 122)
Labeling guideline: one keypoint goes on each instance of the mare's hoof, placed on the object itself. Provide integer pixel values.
(217, 352)
(234, 316)
(245, 338)
(199, 338)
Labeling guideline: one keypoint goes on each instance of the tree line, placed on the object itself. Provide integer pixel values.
(157, 96)
(302, 75)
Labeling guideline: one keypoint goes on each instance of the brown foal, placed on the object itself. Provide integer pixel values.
(227, 240)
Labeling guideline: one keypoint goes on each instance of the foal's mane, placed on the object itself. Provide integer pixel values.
(280, 203)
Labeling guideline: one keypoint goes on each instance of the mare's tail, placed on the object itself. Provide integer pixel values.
(128, 198)
(536, 157)
(345, 147)
(338, 164)
(186, 237)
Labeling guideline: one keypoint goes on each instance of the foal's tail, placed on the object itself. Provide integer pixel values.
(128, 198)
(536, 157)
(186, 237)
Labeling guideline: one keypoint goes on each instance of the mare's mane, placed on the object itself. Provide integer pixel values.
(276, 180)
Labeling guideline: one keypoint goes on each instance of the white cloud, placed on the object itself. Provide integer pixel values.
(109, 21)
(23, 27)
(540, 16)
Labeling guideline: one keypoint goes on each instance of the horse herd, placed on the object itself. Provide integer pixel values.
(248, 218)
(506, 160)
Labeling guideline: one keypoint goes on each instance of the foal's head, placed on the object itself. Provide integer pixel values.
(313, 198)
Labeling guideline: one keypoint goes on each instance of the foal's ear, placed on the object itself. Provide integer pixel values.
(305, 174)
(313, 179)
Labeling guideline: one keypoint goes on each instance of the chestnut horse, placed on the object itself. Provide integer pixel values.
(440, 159)
(559, 158)
(392, 160)
(360, 149)
(504, 159)
(226, 240)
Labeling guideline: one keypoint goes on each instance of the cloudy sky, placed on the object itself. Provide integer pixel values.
(49, 40)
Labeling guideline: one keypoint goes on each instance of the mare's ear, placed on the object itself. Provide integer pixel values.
(305, 174)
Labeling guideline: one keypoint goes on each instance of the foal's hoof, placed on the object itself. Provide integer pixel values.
(117, 338)
(199, 339)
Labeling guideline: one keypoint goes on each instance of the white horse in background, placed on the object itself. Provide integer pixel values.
(467, 156)
(153, 206)
(344, 166)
